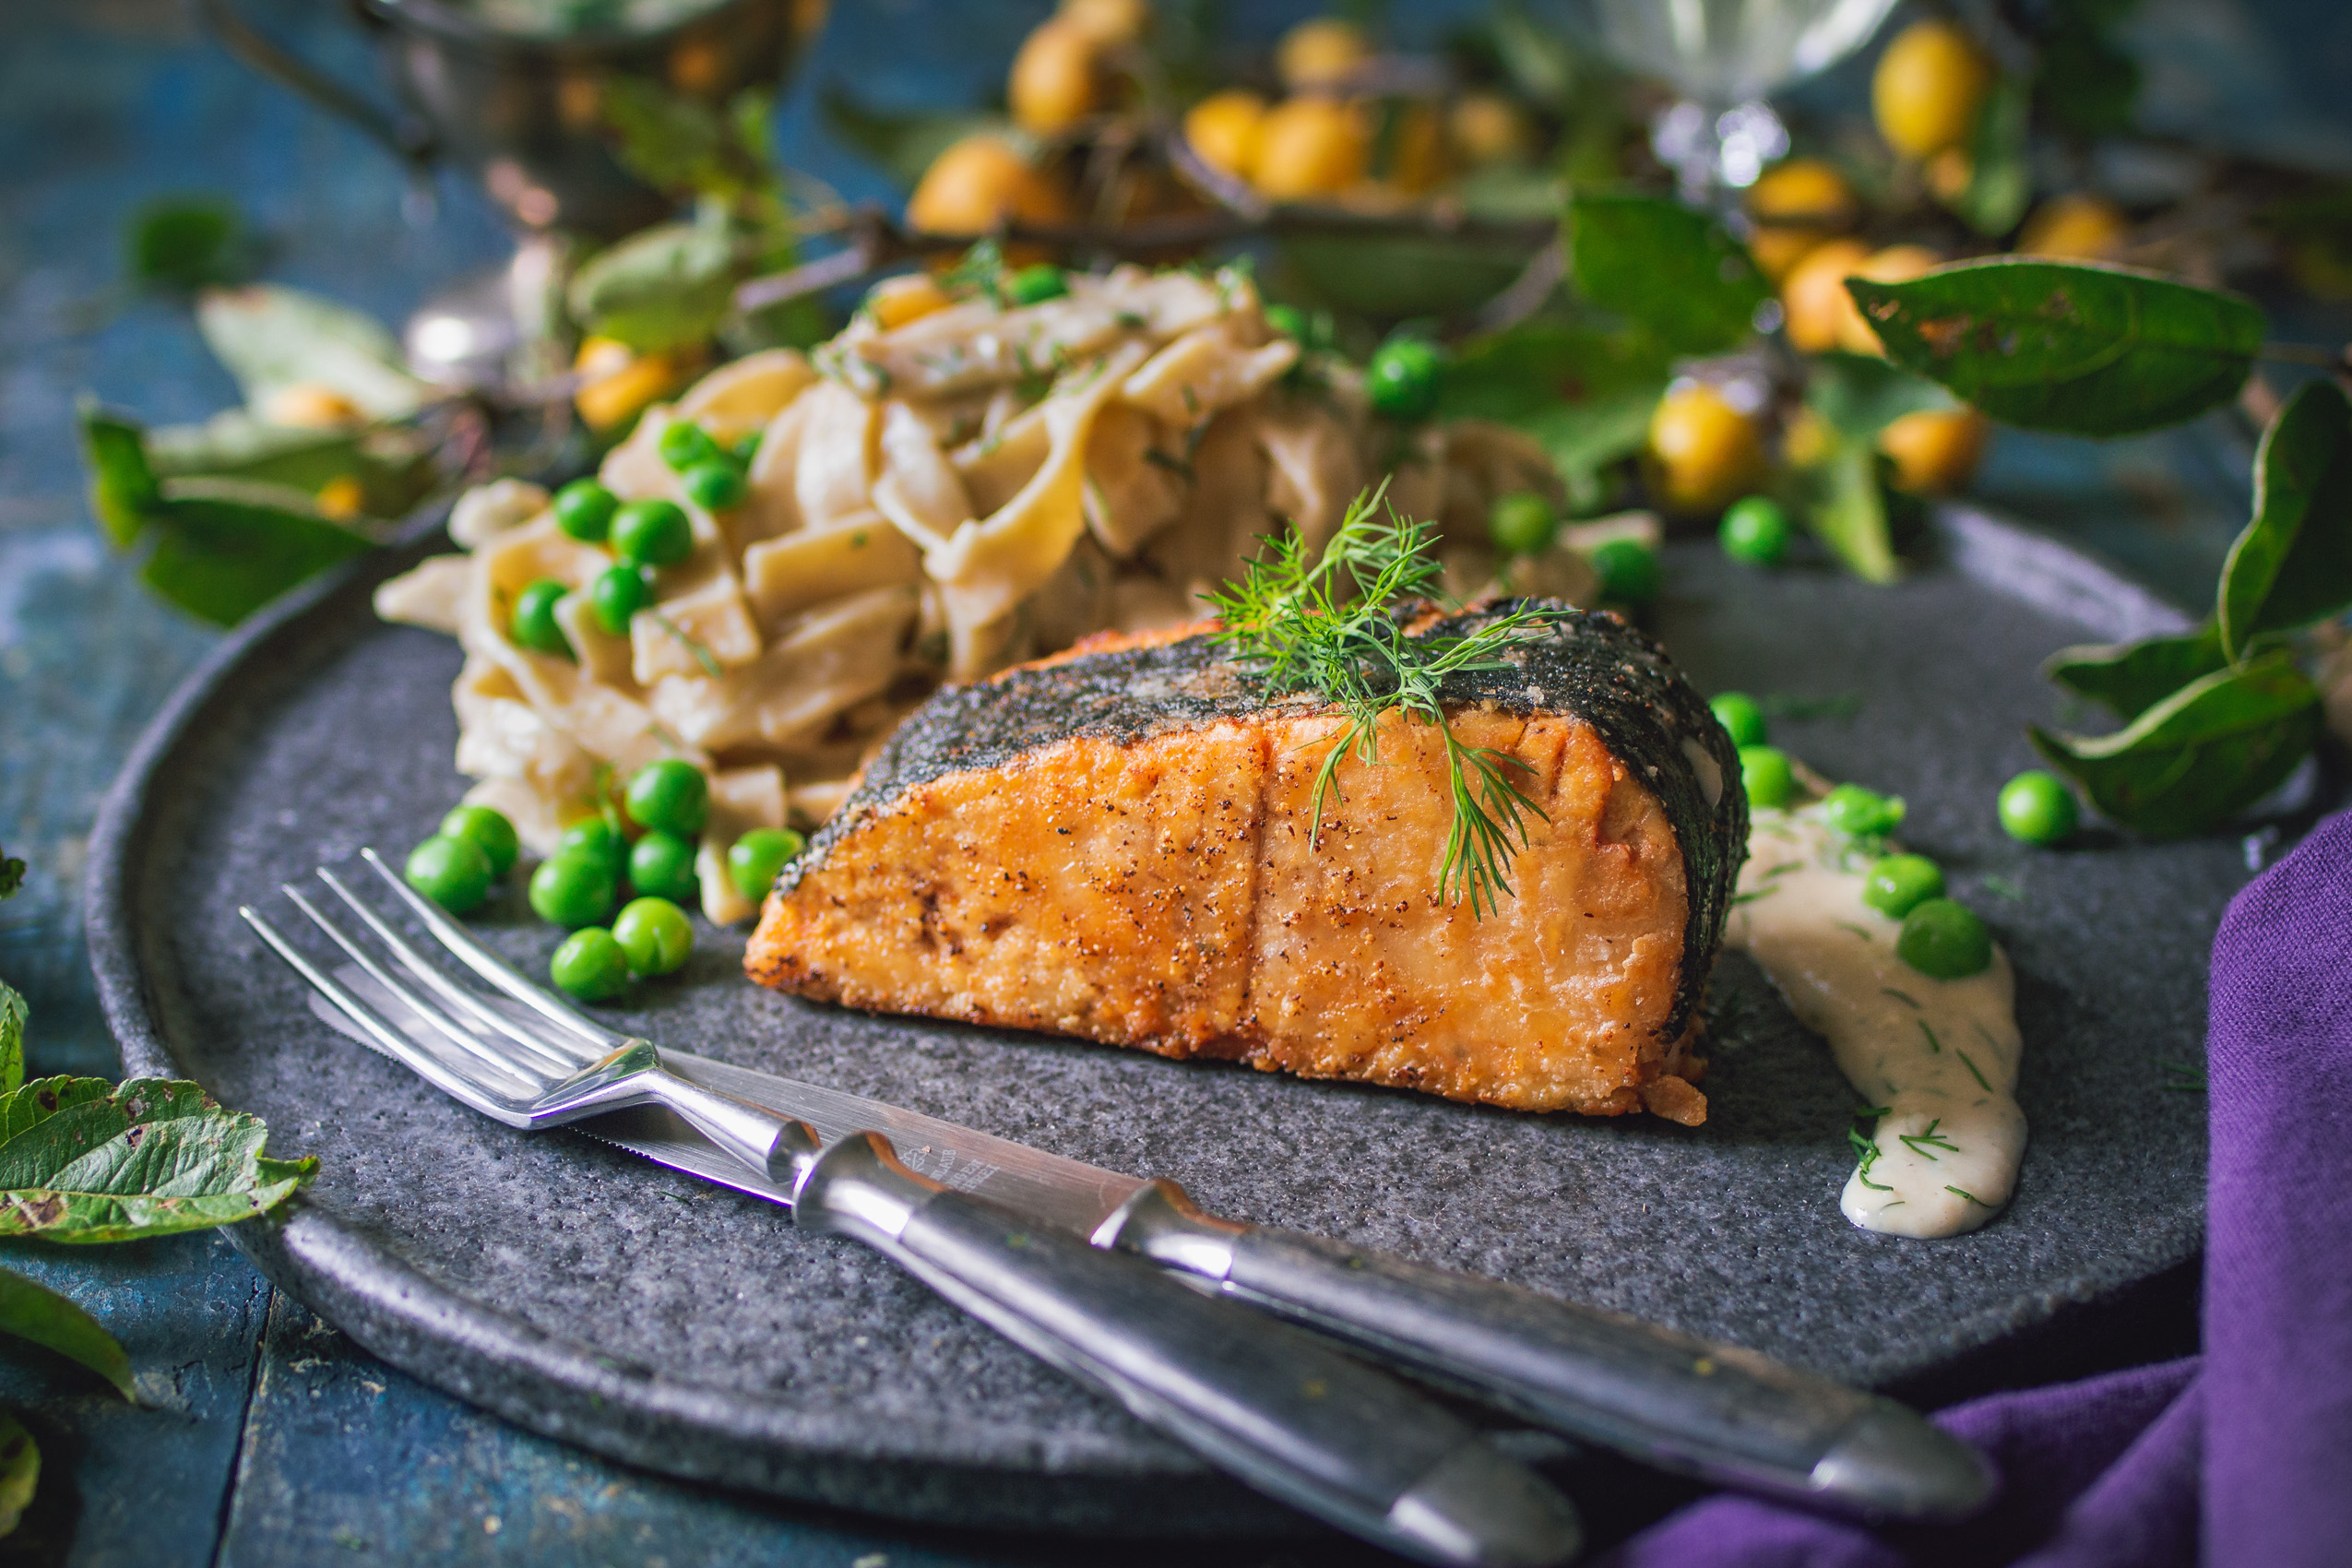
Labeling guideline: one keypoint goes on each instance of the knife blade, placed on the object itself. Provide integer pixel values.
(1717, 1411)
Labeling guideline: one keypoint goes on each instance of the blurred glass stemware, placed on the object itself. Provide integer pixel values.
(1724, 57)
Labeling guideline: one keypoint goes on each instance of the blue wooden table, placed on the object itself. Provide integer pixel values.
(262, 1436)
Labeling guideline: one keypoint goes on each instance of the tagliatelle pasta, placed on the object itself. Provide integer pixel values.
(977, 485)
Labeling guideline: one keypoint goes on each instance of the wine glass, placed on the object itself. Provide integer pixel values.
(1724, 57)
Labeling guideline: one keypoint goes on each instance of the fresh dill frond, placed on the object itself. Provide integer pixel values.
(1862, 1134)
(1334, 624)
(1921, 1142)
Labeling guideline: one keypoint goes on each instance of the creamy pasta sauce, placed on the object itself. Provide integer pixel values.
(1940, 1056)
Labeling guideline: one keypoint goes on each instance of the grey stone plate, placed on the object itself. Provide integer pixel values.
(574, 1289)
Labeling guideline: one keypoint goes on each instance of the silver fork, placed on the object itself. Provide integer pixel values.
(1270, 1403)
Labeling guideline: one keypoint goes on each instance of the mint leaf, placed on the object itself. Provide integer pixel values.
(271, 338)
(14, 1015)
(1846, 506)
(1666, 268)
(83, 1160)
(661, 287)
(19, 1471)
(2068, 345)
(2201, 755)
(2127, 679)
(184, 243)
(1860, 395)
(123, 486)
(2293, 563)
(32, 1310)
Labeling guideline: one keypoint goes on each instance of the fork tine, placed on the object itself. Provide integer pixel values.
(390, 1041)
(489, 964)
(564, 1055)
(528, 1082)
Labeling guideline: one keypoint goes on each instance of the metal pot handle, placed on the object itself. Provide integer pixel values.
(403, 137)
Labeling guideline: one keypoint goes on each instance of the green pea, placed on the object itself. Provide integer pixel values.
(590, 965)
(489, 831)
(1945, 940)
(534, 626)
(1522, 524)
(1737, 713)
(1035, 285)
(663, 865)
(573, 888)
(1895, 885)
(759, 857)
(746, 447)
(584, 509)
(595, 836)
(1765, 775)
(453, 873)
(1862, 814)
(670, 795)
(618, 593)
(655, 936)
(1402, 378)
(684, 443)
(1311, 329)
(1756, 530)
(716, 487)
(2036, 809)
(652, 533)
(1629, 571)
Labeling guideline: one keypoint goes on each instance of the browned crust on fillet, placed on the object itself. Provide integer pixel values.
(1169, 893)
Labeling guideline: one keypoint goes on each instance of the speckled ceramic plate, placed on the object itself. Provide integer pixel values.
(571, 1288)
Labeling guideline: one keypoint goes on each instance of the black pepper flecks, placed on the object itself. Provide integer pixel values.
(1592, 665)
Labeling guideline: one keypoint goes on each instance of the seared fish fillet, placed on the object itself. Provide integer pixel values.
(1115, 843)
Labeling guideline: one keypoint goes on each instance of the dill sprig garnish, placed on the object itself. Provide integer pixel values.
(1333, 625)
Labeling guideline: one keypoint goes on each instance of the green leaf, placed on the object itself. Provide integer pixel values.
(34, 1312)
(83, 1160)
(685, 147)
(393, 463)
(222, 558)
(271, 338)
(2068, 345)
(185, 243)
(903, 143)
(1860, 395)
(1846, 506)
(2000, 184)
(19, 1471)
(1538, 60)
(2293, 565)
(1666, 269)
(1585, 437)
(123, 486)
(12, 875)
(661, 287)
(2127, 679)
(14, 1015)
(2202, 754)
(1529, 369)
(2086, 83)
(1394, 279)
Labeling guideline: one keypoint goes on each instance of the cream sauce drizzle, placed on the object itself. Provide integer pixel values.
(1940, 1055)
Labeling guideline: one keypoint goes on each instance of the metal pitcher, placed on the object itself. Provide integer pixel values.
(524, 113)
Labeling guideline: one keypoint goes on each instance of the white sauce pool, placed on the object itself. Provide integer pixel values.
(1940, 1055)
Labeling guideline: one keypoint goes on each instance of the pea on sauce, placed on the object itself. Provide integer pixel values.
(1940, 1055)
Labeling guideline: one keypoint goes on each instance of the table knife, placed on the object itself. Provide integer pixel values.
(1715, 1411)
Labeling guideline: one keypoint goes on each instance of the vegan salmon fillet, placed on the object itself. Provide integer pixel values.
(1115, 844)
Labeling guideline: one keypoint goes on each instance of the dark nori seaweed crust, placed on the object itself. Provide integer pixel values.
(1593, 666)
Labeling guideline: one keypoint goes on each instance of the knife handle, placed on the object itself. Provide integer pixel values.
(1274, 1406)
(1715, 1411)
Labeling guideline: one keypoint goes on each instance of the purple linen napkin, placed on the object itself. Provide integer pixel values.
(2254, 1439)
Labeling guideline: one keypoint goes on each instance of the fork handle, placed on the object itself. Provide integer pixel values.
(1265, 1401)
(760, 1137)
(1711, 1410)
